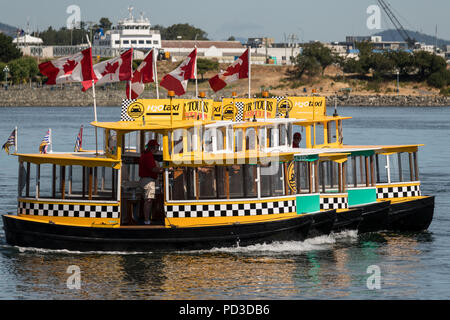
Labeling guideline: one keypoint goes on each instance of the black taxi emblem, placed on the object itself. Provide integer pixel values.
(229, 112)
(284, 106)
(135, 110)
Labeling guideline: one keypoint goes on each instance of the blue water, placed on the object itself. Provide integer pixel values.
(412, 266)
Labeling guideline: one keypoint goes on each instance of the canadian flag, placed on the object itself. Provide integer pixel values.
(177, 80)
(112, 70)
(143, 74)
(238, 70)
(75, 68)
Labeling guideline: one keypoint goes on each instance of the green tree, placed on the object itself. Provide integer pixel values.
(186, 31)
(205, 65)
(313, 60)
(428, 63)
(381, 65)
(8, 51)
(18, 71)
(105, 24)
(306, 65)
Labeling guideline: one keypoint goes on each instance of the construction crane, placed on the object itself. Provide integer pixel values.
(403, 33)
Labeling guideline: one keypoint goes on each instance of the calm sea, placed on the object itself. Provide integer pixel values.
(412, 266)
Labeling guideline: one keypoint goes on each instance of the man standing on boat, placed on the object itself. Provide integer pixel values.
(148, 172)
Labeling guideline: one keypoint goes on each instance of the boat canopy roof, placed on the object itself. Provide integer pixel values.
(65, 159)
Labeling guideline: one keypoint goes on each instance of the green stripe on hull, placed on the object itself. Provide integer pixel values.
(308, 203)
(361, 196)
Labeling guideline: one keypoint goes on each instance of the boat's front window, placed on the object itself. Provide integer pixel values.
(397, 167)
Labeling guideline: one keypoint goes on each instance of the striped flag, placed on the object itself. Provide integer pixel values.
(79, 141)
(43, 147)
(10, 142)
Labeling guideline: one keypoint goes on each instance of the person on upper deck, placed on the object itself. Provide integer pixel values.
(148, 173)
(297, 139)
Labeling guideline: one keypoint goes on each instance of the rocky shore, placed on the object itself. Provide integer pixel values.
(73, 96)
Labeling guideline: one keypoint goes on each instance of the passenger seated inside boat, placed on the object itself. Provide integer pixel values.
(296, 140)
(148, 173)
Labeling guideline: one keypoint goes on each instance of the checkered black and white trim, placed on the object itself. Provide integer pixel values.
(68, 210)
(123, 112)
(330, 203)
(230, 210)
(278, 114)
(398, 192)
(240, 111)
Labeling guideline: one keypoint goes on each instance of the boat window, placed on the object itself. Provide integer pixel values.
(178, 141)
(178, 185)
(236, 187)
(250, 181)
(272, 183)
(67, 182)
(357, 173)
(282, 135)
(220, 138)
(238, 134)
(209, 137)
(331, 131)
(397, 167)
(302, 175)
(319, 133)
(207, 182)
(328, 176)
(272, 135)
(250, 139)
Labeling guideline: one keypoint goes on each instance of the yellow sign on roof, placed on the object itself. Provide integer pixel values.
(302, 107)
(152, 110)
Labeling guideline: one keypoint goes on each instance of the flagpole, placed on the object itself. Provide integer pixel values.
(131, 70)
(156, 73)
(16, 138)
(196, 82)
(249, 72)
(51, 140)
(95, 102)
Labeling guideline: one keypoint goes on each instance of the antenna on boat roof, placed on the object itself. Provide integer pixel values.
(335, 114)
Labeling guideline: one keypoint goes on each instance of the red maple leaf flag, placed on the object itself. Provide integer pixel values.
(238, 70)
(177, 79)
(113, 70)
(143, 74)
(75, 68)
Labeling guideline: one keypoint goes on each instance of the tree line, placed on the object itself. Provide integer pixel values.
(374, 65)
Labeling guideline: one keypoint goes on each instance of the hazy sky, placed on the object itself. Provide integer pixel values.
(324, 20)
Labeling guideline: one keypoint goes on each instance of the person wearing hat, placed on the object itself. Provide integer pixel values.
(297, 139)
(148, 173)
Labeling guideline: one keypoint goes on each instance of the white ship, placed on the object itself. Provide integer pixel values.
(129, 33)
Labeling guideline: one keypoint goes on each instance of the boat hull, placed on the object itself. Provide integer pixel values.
(322, 223)
(412, 215)
(347, 220)
(27, 233)
(374, 217)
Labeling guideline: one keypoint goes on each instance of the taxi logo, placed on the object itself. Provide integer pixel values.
(228, 112)
(291, 177)
(135, 110)
(285, 106)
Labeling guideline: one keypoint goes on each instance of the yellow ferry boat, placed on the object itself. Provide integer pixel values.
(231, 175)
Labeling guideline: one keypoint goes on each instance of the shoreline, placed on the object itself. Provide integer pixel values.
(109, 97)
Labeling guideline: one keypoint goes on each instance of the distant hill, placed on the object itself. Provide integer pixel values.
(393, 35)
(8, 30)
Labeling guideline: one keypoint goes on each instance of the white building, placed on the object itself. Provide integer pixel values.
(129, 33)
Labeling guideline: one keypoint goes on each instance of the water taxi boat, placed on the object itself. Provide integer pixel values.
(232, 175)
